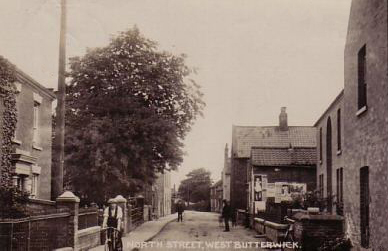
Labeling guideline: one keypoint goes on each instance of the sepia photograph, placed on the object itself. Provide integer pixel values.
(152, 125)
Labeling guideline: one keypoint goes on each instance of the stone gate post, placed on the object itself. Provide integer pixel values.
(70, 201)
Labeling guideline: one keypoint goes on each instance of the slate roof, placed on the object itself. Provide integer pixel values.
(283, 156)
(246, 137)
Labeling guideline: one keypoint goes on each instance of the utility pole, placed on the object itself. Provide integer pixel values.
(59, 142)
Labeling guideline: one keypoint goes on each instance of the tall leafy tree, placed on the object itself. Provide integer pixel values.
(129, 107)
(196, 187)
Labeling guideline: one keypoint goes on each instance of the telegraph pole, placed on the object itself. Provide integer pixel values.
(59, 141)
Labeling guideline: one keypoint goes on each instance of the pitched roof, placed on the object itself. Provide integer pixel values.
(283, 156)
(246, 137)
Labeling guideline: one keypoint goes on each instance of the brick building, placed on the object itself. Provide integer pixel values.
(32, 141)
(365, 123)
(330, 165)
(293, 168)
(246, 137)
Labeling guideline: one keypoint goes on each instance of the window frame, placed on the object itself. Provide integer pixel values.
(362, 95)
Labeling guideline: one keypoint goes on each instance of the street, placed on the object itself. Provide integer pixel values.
(202, 231)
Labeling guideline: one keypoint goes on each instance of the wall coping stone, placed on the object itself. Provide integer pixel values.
(41, 201)
(259, 220)
(89, 230)
(327, 217)
(64, 249)
(275, 225)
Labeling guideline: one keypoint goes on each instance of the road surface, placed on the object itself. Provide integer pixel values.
(202, 231)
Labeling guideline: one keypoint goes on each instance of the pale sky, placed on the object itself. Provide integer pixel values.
(253, 56)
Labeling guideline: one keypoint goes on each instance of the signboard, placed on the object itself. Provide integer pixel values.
(270, 190)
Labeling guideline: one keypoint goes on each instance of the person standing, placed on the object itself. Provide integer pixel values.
(180, 209)
(226, 215)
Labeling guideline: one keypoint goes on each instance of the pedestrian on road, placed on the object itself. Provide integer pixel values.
(180, 209)
(226, 215)
(113, 216)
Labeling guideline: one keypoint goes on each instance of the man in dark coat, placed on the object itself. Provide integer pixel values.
(226, 213)
(180, 208)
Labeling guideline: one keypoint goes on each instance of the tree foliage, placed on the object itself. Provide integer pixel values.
(9, 119)
(128, 108)
(196, 187)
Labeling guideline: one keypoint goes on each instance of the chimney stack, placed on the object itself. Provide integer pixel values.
(283, 124)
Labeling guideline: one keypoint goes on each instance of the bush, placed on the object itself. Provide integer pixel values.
(14, 202)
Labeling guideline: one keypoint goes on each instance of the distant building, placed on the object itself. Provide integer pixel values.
(33, 137)
(246, 137)
(330, 164)
(216, 197)
(226, 176)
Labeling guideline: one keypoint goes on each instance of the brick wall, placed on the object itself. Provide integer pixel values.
(41, 232)
(366, 134)
(313, 230)
(238, 180)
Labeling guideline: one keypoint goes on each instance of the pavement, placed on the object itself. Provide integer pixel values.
(143, 233)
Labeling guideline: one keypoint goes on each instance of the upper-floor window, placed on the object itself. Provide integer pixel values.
(320, 144)
(362, 90)
(36, 123)
(339, 143)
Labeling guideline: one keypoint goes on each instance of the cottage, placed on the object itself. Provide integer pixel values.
(246, 137)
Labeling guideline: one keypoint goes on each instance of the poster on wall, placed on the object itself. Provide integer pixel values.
(260, 187)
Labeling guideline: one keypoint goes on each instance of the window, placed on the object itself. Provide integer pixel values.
(34, 185)
(20, 182)
(364, 206)
(339, 146)
(362, 92)
(340, 197)
(36, 123)
(320, 144)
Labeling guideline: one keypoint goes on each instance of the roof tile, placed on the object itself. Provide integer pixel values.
(283, 156)
(246, 137)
